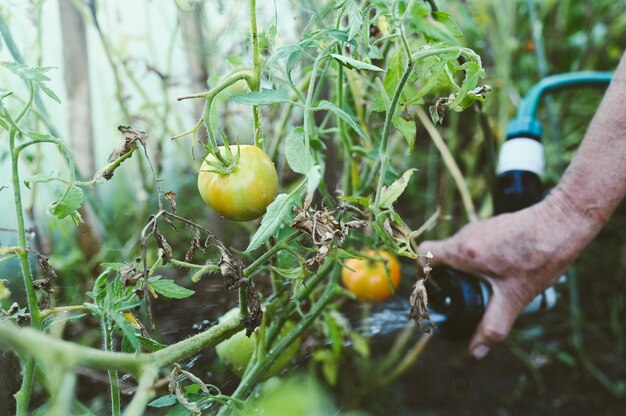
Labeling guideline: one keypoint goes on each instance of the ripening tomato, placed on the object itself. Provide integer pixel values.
(237, 350)
(245, 193)
(372, 280)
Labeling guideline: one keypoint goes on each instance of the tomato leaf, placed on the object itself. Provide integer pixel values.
(263, 97)
(169, 288)
(355, 17)
(163, 401)
(300, 159)
(68, 205)
(407, 129)
(391, 193)
(277, 211)
(150, 344)
(350, 120)
(298, 156)
(352, 63)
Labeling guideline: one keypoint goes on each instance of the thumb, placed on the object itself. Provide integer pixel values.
(495, 325)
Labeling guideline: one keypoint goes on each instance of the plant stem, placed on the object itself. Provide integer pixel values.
(51, 350)
(22, 397)
(144, 392)
(408, 360)
(251, 376)
(113, 380)
(60, 309)
(384, 142)
(273, 250)
(61, 403)
(257, 64)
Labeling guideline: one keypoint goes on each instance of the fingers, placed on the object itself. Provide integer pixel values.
(495, 325)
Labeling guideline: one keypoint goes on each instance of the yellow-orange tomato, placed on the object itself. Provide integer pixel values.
(245, 193)
(372, 280)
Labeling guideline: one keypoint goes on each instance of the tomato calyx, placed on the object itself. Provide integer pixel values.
(225, 162)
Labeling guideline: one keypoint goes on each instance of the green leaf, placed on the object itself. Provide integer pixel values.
(179, 410)
(300, 159)
(448, 21)
(264, 97)
(435, 72)
(351, 121)
(395, 67)
(352, 63)
(276, 213)
(28, 73)
(359, 200)
(291, 274)
(360, 344)
(68, 205)
(330, 366)
(473, 73)
(169, 288)
(406, 128)
(430, 27)
(234, 60)
(48, 323)
(163, 401)
(355, 18)
(391, 193)
(150, 344)
(113, 266)
(298, 156)
(50, 93)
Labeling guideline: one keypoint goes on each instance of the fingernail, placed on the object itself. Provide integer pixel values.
(480, 351)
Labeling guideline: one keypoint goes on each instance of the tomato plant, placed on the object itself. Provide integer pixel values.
(244, 193)
(372, 279)
(337, 110)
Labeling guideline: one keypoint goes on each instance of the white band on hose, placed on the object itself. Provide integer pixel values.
(521, 154)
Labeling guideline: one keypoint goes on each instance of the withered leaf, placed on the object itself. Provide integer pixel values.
(163, 244)
(419, 306)
(171, 197)
(196, 244)
(131, 135)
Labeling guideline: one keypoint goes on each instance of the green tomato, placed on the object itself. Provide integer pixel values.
(237, 350)
(245, 193)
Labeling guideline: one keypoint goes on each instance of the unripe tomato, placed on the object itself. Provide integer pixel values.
(237, 351)
(245, 193)
(372, 280)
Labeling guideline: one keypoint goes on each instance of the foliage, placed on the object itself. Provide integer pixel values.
(340, 112)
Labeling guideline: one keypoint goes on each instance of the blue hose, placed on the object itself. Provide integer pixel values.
(526, 123)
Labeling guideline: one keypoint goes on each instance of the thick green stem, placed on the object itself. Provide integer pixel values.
(257, 65)
(51, 350)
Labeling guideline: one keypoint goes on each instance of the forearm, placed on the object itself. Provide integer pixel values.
(595, 182)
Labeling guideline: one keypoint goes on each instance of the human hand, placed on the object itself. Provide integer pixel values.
(519, 254)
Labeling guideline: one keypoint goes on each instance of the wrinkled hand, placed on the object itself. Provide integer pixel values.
(519, 254)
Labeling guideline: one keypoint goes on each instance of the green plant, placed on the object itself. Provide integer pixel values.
(350, 90)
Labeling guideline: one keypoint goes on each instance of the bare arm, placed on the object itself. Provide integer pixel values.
(522, 253)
